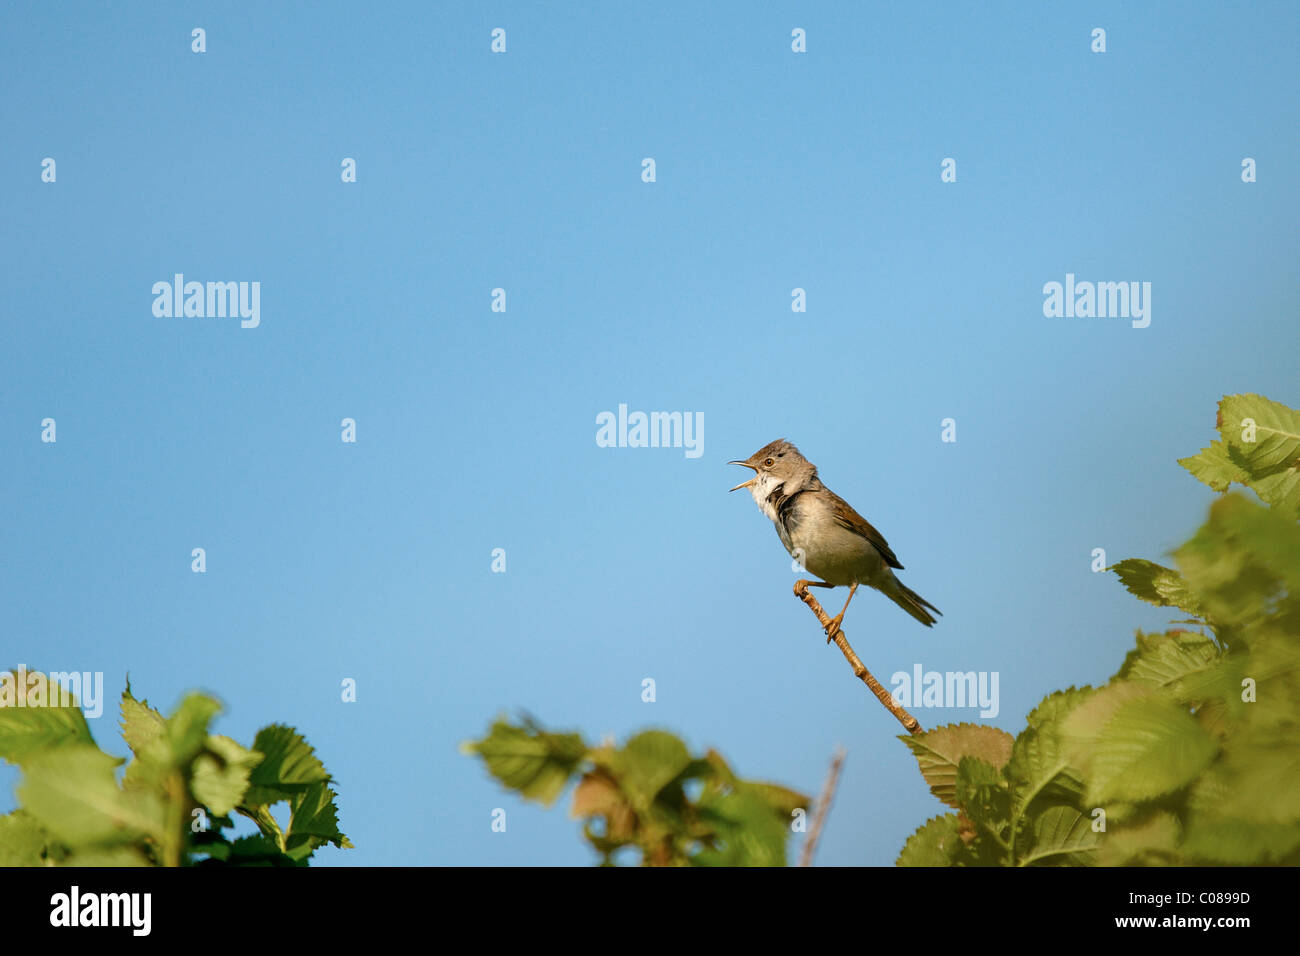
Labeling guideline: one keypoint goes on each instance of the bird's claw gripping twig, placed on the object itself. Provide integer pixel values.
(833, 628)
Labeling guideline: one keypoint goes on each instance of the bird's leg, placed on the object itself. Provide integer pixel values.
(834, 624)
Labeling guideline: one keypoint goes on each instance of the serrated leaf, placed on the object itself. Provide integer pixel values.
(982, 795)
(1062, 837)
(1272, 460)
(939, 751)
(1085, 720)
(937, 843)
(1166, 660)
(141, 724)
(1281, 490)
(1156, 584)
(266, 823)
(258, 851)
(313, 822)
(289, 766)
(164, 750)
(1040, 765)
(1056, 706)
(1148, 747)
(1214, 466)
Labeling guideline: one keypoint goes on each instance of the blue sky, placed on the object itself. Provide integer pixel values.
(476, 429)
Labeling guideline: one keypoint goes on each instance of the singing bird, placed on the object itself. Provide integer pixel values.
(824, 533)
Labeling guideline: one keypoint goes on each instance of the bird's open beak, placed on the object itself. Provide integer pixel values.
(744, 484)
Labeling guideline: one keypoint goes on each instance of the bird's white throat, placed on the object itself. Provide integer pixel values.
(761, 489)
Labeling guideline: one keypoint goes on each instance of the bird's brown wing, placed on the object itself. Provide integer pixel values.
(850, 519)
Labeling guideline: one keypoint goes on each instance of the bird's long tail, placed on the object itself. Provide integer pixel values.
(913, 603)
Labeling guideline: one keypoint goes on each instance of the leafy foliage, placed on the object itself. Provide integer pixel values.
(651, 796)
(1259, 447)
(175, 795)
(1191, 752)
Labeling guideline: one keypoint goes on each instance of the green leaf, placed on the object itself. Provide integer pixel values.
(1166, 660)
(649, 762)
(1156, 584)
(748, 832)
(1148, 747)
(1081, 724)
(72, 792)
(166, 750)
(1062, 837)
(141, 724)
(1262, 770)
(1270, 464)
(1150, 841)
(1235, 842)
(249, 851)
(22, 841)
(1191, 748)
(220, 775)
(1056, 706)
(937, 843)
(1212, 833)
(782, 799)
(313, 822)
(1214, 466)
(1040, 766)
(187, 728)
(288, 766)
(529, 760)
(266, 823)
(1242, 560)
(1272, 459)
(107, 856)
(982, 794)
(1281, 490)
(720, 770)
(939, 751)
(28, 725)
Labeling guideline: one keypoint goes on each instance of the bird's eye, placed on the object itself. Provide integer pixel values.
(768, 463)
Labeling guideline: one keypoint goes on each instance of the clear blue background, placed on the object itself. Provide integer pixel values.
(476, 430)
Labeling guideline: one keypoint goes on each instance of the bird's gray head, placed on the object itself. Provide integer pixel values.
(777, 466)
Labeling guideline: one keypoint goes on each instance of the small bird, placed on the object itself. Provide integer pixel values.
(823, 532)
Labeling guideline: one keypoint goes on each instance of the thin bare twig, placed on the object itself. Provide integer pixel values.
(910, 723)
(823, 808)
